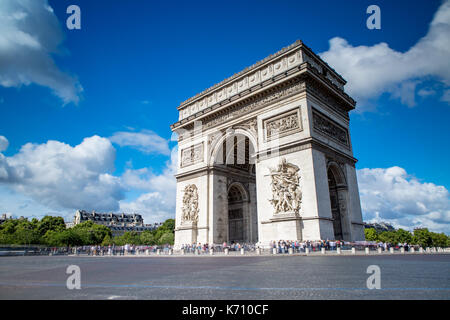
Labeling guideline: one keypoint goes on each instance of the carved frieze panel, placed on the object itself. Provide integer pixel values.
(190, 204)
(286, 193)
(328, 127)
(282, 125)
(192, 155)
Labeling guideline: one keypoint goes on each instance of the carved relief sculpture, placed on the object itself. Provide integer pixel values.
(286, 193)
(329, 128)
(190, 204)
(192, 154)
(282, 125)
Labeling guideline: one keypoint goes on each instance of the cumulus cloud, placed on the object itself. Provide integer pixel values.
(3, 143)
(374, 70)
(29, 34)
(60, 176)
(157, 202)
(146, 141)
(393, 196)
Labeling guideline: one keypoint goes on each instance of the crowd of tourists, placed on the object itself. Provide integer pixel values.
(119, 250)
(205, 247)
(281, 246)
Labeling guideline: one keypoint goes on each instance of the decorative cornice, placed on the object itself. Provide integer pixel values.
(303, 72)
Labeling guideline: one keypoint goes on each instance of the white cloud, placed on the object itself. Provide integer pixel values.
(29, 34)
(55, 177)
(59, 176)
(157, 203)
(146, 141)
(446, 96)
(425, 92)
(3, 143)
(393, 196)
(374, 70)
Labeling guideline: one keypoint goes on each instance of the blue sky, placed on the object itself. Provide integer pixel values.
(105, 96)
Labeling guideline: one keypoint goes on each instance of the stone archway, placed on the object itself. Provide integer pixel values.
(338, 200)
(233, 162)
(237, 214)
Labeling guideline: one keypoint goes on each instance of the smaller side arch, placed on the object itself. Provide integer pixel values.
(337, 173)
(241, 188)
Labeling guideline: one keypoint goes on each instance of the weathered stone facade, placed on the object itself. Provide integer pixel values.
(269, 153)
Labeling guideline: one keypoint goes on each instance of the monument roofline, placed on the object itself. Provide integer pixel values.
(297, 74)
(260, 64)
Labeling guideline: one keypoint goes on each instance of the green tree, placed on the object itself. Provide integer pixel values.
(388, 236)
(422, 237)
(70, 237)
(91, 233)
(166, 238)
(439, 239)
(147, 238)
(25, 234)
(167, 227)
(107, 240)
(127, 238)
(52, 238)
(51, 223)
(403, 236)
(371, 234)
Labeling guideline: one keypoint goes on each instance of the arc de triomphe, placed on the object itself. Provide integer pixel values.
(266, 155)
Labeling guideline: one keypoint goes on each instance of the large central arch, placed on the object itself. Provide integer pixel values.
(232, 160)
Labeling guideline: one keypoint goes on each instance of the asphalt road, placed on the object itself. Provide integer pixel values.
(205, 277)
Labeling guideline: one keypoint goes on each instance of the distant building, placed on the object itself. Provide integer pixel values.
(69, 224)
(3, 218)
(379, 227)
(119, 223)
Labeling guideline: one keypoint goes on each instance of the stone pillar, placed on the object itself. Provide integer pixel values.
(307, 250)
(274, 250)
(170, 251)
(338, 250)
(183, 252)
(242, 251)
(322, 250)
(412, 250)
(402, 250)
(391, 250)
(291, 251)
(353, 251)
(258, 251)
(226, 251)
(211, 251)
(420, 250)
(379, 250)
(367, 250)
(158, 251)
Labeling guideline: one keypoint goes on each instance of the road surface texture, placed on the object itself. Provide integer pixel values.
(232, 277)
